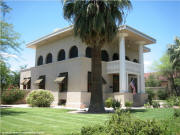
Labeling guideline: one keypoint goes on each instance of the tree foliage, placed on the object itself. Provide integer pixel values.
(152, 81)
(174, 53)
(9, 39)
(5, 75)
(96, 22)
(169, 66)
(9, 79)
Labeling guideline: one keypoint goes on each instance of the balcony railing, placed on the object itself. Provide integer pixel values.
(132, 67)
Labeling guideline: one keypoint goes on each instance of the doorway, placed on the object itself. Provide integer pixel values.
(132, 83)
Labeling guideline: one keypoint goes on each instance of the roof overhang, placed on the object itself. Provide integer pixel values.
(137, 35)
(59, 34)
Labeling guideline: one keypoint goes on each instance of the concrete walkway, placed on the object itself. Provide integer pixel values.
(74, 110)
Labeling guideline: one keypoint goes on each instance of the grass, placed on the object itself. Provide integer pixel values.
(50, 121)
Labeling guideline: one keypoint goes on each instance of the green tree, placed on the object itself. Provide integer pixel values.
(5, 76)
(152, 81)
(96, 22)
(9, 39)
(174, 53)
(165, 68)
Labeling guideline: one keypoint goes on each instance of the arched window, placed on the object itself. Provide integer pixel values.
(135, 60)
(73, 52)
(115, 56)
(49, 58)
(61, 55)
(127, 58)
(40, 61)
(88, 52)
(104, 55)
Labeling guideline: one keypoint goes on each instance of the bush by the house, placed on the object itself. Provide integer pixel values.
(12, 96)
(110, 102)
(40, 98)
(151, 95)
(174, 101)
(147, 105)
(162, 94)
(122, 123)
(128, 104)
(155, 104)
(176, 112)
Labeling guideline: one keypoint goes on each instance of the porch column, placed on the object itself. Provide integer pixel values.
(122, 64)
(141, 61)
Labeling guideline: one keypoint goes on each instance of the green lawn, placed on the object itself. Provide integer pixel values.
(57, 121)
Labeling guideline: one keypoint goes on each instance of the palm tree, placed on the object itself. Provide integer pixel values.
(174, 52)
(96, 22)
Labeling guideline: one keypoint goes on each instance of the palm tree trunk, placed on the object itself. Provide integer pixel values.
(96, 102)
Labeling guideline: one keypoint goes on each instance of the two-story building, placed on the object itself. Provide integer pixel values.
(63, 66)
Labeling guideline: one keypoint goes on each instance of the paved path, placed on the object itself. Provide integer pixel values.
(74, 110)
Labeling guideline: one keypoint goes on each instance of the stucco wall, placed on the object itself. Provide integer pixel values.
(77, 69)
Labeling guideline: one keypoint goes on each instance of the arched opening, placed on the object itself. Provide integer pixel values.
(40, 61)
(88, 52)
(127, 58)
(135, 60)
(115, 56)
(49, 58)
(73, 52)
(104, 55)
(61, 55)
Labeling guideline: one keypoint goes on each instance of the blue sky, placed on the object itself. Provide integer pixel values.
(34, 19)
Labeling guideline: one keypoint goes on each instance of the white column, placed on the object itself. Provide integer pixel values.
(122, 64)
(141, 61)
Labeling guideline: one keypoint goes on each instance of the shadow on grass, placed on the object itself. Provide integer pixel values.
(137, 110)
(7, 111)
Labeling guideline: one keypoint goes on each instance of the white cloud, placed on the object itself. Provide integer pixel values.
(7, 55)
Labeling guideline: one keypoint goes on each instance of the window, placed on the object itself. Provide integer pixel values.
(63, 87)
(115, 83)
(115, 56)
(127, 58)
(88, 52)
(42, 83)
(29, 83)
(104, 55)
(49, 58)
(135, 60)
(73, 52)
(61, 55)
(40, 61)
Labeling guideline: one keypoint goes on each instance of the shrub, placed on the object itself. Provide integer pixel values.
(122, 123)
(109, 102)
(155, 104)
(147, 105)
(176, 112)
(12, 96)
(40, 98)
(112, 103)
(116, 104)
(162, 94)
(128, 104)
(174, 101)
(151, 95)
